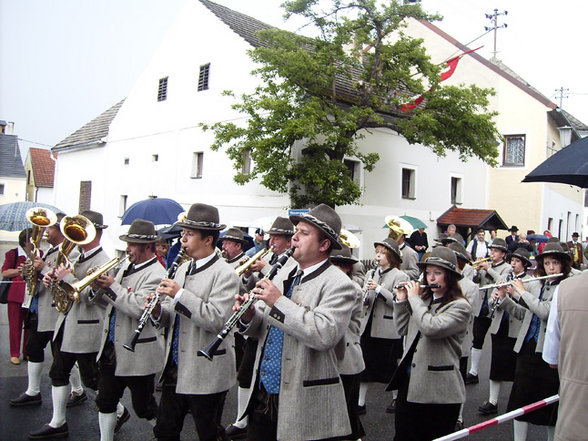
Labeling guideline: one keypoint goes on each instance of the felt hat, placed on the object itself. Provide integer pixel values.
(96, 218)
(554, 249)
(442, 257)
(343, 255)
(392, 245)
(499, 243)
(521, 253)
(283, 226)
(459, 251)
(325, 219)
(234, 234)
(201, 217)
(141, 231)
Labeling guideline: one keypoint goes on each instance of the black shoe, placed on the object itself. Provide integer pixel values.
(76, 400)
(26, 400)
(487, 408)
(391, 407)
(361, 410)
(471, 379)
(233, 432)
(121, 420)
(48, 432)
(458, 425)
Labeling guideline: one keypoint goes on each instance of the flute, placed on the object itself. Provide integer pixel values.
(212, 347)
(431, 286)
(532, 279)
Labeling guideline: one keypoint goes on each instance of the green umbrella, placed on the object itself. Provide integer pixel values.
(416, 223)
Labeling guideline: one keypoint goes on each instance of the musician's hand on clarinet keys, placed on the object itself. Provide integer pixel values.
(157, 310)
(500, 293)
(371, 284)
(168, 287)
(268, 292)
(239, 300)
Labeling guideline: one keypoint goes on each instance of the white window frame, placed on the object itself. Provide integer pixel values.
(197, 165)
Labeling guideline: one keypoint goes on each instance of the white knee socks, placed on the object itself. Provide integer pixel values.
(120, 409)
(476, 356)
(520, 430)
(242, 395)
(363, 388)
(494, 391)
(550, 433)
(75, 381)
(107, 422)
(34, 371)
(60, 395)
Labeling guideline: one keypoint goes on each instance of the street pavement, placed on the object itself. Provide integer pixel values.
(16, 423)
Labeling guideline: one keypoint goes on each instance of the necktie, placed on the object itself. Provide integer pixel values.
(111, 325)
(271, 363)
(535, 326)
(174, 349)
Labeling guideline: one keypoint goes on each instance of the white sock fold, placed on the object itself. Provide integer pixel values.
(107, 423)
(242, 395)
(120, 409)
(60, 395)
(476, 357)
(550, 433)
(520, 430)
(460, 416)
(75, 380)
(494, 391)
(363, 388)
(34, 371)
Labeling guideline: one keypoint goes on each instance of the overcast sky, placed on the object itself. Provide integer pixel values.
(63, 62)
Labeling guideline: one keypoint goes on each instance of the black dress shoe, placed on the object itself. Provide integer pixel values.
(458, 425)
(471, 379)
(26, 400)
(121, 420)
(76, 400)
(391, 407)
(48, 432)
(235, 433)
(487, 408)
(361, 410)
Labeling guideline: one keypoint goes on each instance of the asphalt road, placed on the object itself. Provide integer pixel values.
(15, 423)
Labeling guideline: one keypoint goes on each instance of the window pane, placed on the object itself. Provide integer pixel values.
(514, 150)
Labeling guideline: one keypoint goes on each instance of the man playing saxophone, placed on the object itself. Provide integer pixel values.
(76, 333)
(125, 296)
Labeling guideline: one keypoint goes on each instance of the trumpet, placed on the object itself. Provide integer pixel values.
(77, 230)
(41, 218)
(244, 267)
(132, 342)
(209, 350)
(476, 263)
(531, 279)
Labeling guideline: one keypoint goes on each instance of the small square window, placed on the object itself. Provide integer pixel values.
(197, 164)
(126, 161)
(203, 77)
(354, 170)
(155, 158)
(456, 197)
(122, 207)
(1, 188)
(514, 150)
(408, 183)
(246, 169)
(162, 89)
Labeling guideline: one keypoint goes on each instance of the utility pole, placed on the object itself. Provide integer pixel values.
(494, 19)
(563, 93)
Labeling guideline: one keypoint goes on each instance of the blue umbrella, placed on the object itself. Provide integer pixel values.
(157, 210)
(539, 238)
(12, 215)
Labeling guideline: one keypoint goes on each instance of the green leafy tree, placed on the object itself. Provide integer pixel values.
(319, 96)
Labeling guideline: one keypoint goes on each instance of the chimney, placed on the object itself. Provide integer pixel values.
(565, 135)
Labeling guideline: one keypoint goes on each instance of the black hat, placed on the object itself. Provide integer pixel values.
(325, 219)
(441, 238)
(455, 237)
(259, 231)
(141, 231)
(459, 251)
(343, 255)
(575, 234)
(521, 253)
(282, 226)
(392, 245)
(201, 217)
(234, 234)
(554, 249)
(96, 218)
(499, 243)
(442, 257)
(513, 228)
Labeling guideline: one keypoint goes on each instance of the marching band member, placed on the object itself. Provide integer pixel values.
(125, 296)
(409, 258)
(380, 342)
(42, 319)
(430, 387)
(504, 330)
(488, 273)
(197, 305)
(233, 242)
(280, 237)
(352, 365)
(75, 336)
(534, 379)
(301, 321)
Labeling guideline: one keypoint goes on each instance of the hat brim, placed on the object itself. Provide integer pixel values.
(387, 246)
(563, 255)
(234, 239)
(328, 231)
(281, 232)
(518, 256)
(132, 239)
(423, 265)
(193, 225)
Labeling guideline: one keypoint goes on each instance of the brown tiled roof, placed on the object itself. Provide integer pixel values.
(472, 217)
(92, 132)
(43, 167)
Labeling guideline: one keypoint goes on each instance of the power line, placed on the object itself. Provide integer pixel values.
(34, 142)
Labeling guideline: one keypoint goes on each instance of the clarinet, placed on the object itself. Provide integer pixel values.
(496, 303)
(209, 350)
(365, 290)
(130, 345)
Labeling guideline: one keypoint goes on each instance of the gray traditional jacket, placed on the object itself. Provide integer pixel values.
(493, 275)
(514, 320)
(83, 323)
(471, 292)
(314, 321)
(434, 375)
(352, 362)
(127, 294)
(409, 262)
(381, 306)
(203, 308)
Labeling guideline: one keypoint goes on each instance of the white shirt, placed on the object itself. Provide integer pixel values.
(552, 334)
(198, 263)
(481, 249)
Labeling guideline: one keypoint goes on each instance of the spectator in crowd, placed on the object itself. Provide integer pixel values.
(418, 240)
